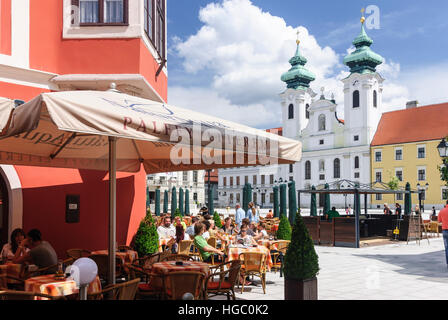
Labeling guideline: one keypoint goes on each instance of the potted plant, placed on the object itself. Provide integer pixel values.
(301, 265)
(147, 239)
(217, 219)
(284, 229)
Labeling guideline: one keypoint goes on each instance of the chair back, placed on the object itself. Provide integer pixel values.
(123, 248)
(253, 261)
(102, 261)
(176, 257)
(77, 253)
(24, 295)
(128, 290)
(282, 246)
(212, 242)
(179, 283)
(234, 271)
(184, 247)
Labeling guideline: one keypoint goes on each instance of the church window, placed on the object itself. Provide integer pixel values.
(337, 168)
(291, 111)
(356, 162)
(322, 122)
(356, 99)
(307, 111)
(308, 170)
(322, 165)
(375, 99)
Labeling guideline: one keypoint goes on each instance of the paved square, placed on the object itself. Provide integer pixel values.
(390, 272)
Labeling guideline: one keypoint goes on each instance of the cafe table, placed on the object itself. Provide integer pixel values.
(9, 269)
(49, 285)
(128, 256)
(270, 244)
(234, 251)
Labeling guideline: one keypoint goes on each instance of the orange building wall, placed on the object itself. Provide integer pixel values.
(16, 91)
(5, 27)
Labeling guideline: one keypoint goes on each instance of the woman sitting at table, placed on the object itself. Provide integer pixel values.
(245, 239)
(180, 235)
(262, 233)
(178, 221)
(204, 248)
(10, 250)
(228, 227)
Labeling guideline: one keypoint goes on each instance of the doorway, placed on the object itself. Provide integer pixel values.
(4, 211)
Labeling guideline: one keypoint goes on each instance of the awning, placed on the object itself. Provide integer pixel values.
(69, 129)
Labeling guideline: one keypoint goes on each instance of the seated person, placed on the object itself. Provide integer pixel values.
(270, 215)
(41, 252)
(10, 250)
(246, 223)
(179, 221)
(190, 229)
(245, 239)
(332, 214)
(262, 233)
(166, 230)
(207, 225)
(204, 248)
(228, 227)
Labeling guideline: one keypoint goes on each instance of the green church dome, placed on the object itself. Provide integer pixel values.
(298, 76)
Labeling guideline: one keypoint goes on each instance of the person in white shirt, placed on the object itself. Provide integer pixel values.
(245, 239)
(10, 250)
(262, 233)
(166, 230)
(239, 215)
(206, 234)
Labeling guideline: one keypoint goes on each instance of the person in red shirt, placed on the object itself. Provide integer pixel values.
(443, 217)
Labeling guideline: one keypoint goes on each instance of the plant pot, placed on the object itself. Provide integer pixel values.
(301, 289)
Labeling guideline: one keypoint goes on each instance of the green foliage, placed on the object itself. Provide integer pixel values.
(301, 260)
(444, 171)
(393, 183)
(284, 228)
(177, 213)
(147, 238)
(217, 219)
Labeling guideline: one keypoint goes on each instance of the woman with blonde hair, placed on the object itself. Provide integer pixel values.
(253, 214)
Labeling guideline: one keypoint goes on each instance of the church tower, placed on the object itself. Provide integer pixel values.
(297, 97)
(363, 90)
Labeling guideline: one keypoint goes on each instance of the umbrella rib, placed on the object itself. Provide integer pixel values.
(138, 152)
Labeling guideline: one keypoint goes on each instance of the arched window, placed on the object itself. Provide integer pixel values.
(322, 122)
(291, 111)
(308, 170)
(356, 99)
(356, 162)
(375, 99)
(321, 165)
(307, 111)
(337, 168)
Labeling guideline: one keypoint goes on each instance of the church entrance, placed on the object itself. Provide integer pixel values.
(4, 211)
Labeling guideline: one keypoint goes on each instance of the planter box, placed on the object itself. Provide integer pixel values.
(301, 289)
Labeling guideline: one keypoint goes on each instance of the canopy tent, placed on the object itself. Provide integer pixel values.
(355, 188)
(107, 130)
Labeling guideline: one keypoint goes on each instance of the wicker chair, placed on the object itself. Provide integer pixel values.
(176, 284)
(25, 273)
(278, 254)
(78, 253)
(122, 291)
(123, 248)
(254, 264)
(24, 295)
(102, 261)
(213, 242)
(152, 286)
(223, 285)
(177, 257)
(195, 253)
(184, 247)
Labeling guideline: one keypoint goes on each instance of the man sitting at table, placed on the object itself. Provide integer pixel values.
(190, 229)
(41, 252)
(204, 248)
(167, 230)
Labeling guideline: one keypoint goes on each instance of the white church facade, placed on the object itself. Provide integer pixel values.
(333, 149)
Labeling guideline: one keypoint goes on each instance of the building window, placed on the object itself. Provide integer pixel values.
(322, 122)
(307, 111)
(255, 197)
(224, 181)
(195, 176)
(254, 180)
(321, 142)
(422, 194)
(321, 177)
(321, 165)
(160, 39)
(308, 170)
(398, 154)
(231, 198)
(237, 181)
(421, 175)
(185, 176)
(271, 197)
(246, 179)
(337, 168)
(378, 156)
(271, 179)
(378, 176)
(231, 181)
(149, 19)
(263, 179)
(291, 178)
(379, 196)
(356, 99)
(356, 138)
(195, 196)
(421, 152)
(102, 12)
(444, 194)
(291, 111)
(356, 162)
(375, 99)
(399, 174)
(238, 197)
(399, 196)
(356, 175)
(291, 168)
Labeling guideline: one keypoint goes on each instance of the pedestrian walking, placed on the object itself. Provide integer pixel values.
(443, 217)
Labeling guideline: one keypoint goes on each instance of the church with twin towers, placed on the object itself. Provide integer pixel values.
(333, 148)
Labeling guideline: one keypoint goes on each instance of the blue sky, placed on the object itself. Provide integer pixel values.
(412, 38)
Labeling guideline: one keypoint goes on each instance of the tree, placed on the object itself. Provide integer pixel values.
(284, 228)
(147, 238)
(444, 171)
(301, 260)
(217, 219)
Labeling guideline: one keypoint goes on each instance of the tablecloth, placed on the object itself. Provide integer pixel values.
(233, 253)
(128, 257)
(9, 269)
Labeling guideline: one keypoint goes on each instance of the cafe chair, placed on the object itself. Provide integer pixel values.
(176, 257)
(102, 261)
(213, 242)
(253, 264)
(147, 261)
(195, 254)
(78, 253)
(226, 280)
(122, 291)
(278, 255)
(185, 247)
(24, 295)
(433, 227)
(152, 286)
(26, 273)
(176, 284)
(123, 248)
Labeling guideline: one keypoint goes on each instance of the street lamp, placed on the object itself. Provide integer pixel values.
(443, 148)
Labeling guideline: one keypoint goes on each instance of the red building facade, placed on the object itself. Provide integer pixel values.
(54, 45)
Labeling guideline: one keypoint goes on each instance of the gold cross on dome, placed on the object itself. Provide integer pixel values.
(363, 19)
(298, 32)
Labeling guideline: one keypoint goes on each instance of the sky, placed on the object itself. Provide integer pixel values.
(226, 57)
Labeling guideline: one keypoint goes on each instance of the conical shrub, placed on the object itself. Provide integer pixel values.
(284, 228)
(147, 238)
(217, 219)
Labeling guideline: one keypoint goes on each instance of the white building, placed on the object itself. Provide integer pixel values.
(333, 149)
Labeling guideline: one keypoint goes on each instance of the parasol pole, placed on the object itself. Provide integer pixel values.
(112, 207)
